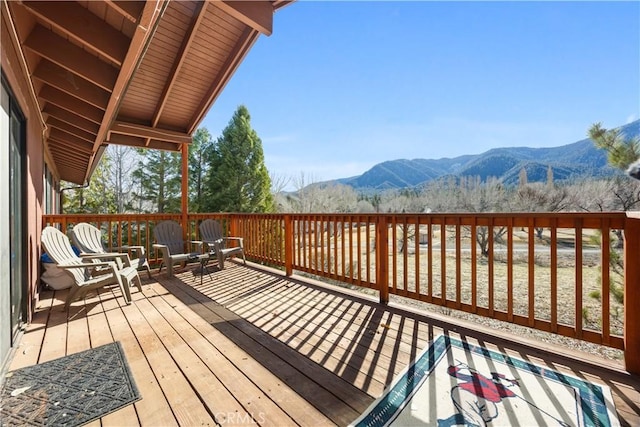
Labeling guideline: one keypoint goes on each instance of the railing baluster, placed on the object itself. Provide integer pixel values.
(578, 278)
(510, 269)
(605, 280)
(458, 265)
(490, 265)
(531, 258)
(474, 266)
(405, 254)
(394, 251)
(417, 258)
(430, 259)
(554, 275)
(443, 260)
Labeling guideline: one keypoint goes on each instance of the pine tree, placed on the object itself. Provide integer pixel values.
(237, 179)
(621, 151)
(159, 181)
(199, 156)
(523, 178)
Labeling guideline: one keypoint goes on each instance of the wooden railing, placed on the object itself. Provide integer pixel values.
(560, 273)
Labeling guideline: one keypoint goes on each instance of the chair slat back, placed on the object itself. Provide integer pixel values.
(211, 231)
(58, 247)
(87, 238)
(169, 233)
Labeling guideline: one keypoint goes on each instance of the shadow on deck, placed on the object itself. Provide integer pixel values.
(249, 346)
(338, 349)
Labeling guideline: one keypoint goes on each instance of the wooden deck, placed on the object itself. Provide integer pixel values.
(249, 346)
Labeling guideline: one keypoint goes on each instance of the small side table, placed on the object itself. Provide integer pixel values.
(203, 259)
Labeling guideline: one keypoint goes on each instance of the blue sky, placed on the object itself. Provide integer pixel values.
(341, 86)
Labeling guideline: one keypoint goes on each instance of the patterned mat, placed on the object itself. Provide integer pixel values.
(69, 391)
(454, 383)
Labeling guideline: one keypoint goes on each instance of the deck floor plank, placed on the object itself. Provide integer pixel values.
(153, 409)
(283, 382)
(183, 399)
(100, 334)
(198, 357)
(28, 351)
(326, 329)
(268, 350)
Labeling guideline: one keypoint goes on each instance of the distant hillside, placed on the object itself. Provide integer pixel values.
(573, 161)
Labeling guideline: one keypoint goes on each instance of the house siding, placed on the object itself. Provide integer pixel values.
(15, 77)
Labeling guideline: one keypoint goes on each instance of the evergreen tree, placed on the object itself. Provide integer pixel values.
(159, 182)
(621, 151)
(522, 177)
(199, 156)
(549, 176)
(237, 179)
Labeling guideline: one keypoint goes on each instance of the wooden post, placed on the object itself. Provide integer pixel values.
(233, 226)
(382, 258)
(185, 191)
(632, 293)
(288, 245)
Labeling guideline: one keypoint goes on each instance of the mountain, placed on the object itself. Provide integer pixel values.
(572, 161)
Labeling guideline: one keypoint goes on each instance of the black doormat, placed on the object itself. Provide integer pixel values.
(69, 391)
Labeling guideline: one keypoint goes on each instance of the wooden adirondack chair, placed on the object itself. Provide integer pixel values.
(213, 236)
(82, 270)
(88, 239)
(174, 249)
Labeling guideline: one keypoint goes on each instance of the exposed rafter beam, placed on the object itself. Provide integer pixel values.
(71, 118)
(69, 140)
(69, 56)
(69, 128)
(68, 82)
(72, 168)
(133, 141)
(256, 14)
(71, 103)
(198, 15)
(69, 154)
(69, 169)
(246, 40)
(129, 9)
(147, 132)
(94, 32)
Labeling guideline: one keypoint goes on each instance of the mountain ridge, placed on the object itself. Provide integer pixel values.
(576, 160)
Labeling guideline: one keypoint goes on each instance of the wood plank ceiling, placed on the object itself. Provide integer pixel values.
(138, 73)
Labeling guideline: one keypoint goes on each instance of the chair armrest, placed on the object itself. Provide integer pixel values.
(121, 259)
(199, 244)
(130, 248)
(90, 265)
(238, 239)
(164, 249)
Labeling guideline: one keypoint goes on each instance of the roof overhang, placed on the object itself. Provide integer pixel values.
(138, 73)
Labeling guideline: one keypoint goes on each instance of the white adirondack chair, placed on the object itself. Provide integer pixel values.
(83, 270)
(88, 239)
(174, 249)
(213, 236)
